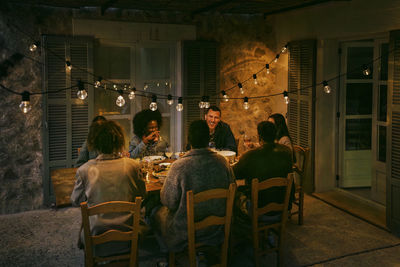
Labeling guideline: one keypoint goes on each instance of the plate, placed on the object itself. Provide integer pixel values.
(227, 153)
(161, 175)
(153, 158)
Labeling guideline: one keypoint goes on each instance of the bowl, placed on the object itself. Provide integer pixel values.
(229, 155)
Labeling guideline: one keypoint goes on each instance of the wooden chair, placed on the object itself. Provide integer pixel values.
(258, 227)
(193, 226)
(299, 169)
(111, 235)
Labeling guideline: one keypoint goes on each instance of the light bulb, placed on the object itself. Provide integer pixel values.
(115, 86)
(153, 104)
(82, 94)
(68, 65)
(158, 84)
(33, 47)
(286, 97)
(179, 107)
(132, 94)
(206, 104)
(202, 102)
(246, 103)
(241, 88)
(267, 67)
(367, 70)
(284, 49)
(170, 101)
(145, 86)
(276, 58)
(25, 105)
(255, 78)
(225, 97)
(120, 102)
(327, 88)
(97, 84)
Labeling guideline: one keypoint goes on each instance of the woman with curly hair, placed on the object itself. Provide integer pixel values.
(147, 140)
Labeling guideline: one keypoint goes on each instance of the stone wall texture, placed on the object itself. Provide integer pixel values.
(246, 44)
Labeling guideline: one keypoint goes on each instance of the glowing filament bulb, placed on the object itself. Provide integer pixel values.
(267, 67)
(132, 93)
(202, 103)
(179, 107)
(25, 105)
(120, 102)
(33, 47)
(246, 103)
(276, 58)
(68, 65)
(366, 70)
(327, 88)
(207, 102)
(284, 49)
(225, 97)
(241, 88)
(145, 86)
(153, 104)
(286, 97)
(170, 101)
(255, 78)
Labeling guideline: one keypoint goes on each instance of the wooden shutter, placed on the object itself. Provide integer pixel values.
(393, 141)
(301, 75)
(199, 78)
(65, 116)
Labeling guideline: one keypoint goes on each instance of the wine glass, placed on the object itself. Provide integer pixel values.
(168, 152)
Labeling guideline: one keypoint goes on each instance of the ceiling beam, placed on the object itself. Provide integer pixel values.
(213, 6)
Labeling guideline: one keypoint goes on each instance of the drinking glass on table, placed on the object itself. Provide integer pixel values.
(168, 152)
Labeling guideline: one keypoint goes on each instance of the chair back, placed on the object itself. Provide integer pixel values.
(111, 235)
(300, 165)
(193, 226)
(280, 208)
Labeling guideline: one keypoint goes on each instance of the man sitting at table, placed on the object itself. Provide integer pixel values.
(221, 136)
(267, 161)
(200, 169)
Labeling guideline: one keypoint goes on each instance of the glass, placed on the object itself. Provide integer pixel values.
(382, 104)
(168, 152)
(382, 143)
(359, 99)
(357, 57)
(358, 134)
(384, 62)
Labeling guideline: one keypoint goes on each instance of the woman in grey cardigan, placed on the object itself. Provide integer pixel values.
(199, 170)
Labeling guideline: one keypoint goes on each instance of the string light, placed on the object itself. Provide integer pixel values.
(68, 65)
(115, 86)
(25, 105)
(241, 88)
(327, 88)
(145, 86)
(246, 103)
(132, 93)
(97, 83)
(207, 102)
(276, 58)
(255, 78)
(284, 49)
(267, 67)
(179, 107)
(120, 102)
(286, 97)
(153, 104)
(225, 97)
(202, 102)
(82, 94)
(366, 70)
(170, 101)
(33, 46)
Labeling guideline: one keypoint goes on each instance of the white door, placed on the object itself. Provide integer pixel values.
(363, 116)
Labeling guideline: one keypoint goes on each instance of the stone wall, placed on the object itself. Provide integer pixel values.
(246, 44)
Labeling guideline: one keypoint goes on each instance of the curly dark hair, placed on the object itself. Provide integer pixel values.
(106, 137)
(281, 127)
(142, 118)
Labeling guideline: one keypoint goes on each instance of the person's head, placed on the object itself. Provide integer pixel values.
(280, 124)
(212, 117)
(106, 137)
(99, 118)
(146, 121)
(266, 131)
(199, 134)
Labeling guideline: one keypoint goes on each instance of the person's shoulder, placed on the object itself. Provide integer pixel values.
(284, 149)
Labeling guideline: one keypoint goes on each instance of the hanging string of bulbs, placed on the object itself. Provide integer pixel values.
(204, 102)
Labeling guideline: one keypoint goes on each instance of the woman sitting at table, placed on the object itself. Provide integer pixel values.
(147, 140)
(109, 177)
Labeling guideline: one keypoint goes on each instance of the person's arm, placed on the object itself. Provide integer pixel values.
(136, 147)
(171, 191)
(83, 156)
(78, 194)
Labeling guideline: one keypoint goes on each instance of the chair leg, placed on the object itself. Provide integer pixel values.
(171, 260)
(256, 248)
(301, 206)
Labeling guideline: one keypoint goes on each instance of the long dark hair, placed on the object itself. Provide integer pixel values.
(142, 118)
(280, 125)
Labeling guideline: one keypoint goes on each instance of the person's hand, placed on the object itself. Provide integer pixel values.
(151, 138)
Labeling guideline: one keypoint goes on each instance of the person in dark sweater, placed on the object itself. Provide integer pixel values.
(267, 161)
(221, 136)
